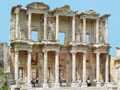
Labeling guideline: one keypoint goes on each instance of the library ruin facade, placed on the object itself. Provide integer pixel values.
(84, 54)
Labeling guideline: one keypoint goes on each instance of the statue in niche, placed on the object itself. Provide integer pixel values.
(51, 32)
(77, 36)
(80, 26)
(22, 34)
(101, 32)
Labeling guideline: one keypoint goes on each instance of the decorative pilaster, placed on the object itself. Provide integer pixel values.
(57, 26)
(17, 23)
(106, 70)
(73, 28)
(57, 84)
(29, 25)
(45, 85)
(29, 86)
(84, 30)
(16, 67)
(84, 84)
(106, 22)
(45, 26)
(74, 84)
(98, 69)
(97, 30)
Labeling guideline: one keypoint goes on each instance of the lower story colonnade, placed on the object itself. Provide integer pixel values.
(74, 68)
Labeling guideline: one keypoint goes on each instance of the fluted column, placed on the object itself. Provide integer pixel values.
(97, 30)
(16, 67)
(45, 85)
(57, 84)
(84, 70)
(106, 22)
(57, 26)
(97, 69)
(73, 69)
(29, 25)
(45, 26)
(84, 29)
(106, 69)
(29, 70)
(73, 28)
(20, 74)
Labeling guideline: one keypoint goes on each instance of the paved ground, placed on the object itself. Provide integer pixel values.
(69, 88)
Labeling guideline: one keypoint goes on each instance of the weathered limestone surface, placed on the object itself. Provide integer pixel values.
(5, 56)
(84, 54)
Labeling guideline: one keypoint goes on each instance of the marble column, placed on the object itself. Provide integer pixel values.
(17, 24)
(16, 66)
(45, 26)
(106, 69)
(74, 84)
(20, 74)
(29, 25)
(84, 84)
(39, 77)
(97, 30)
(98, 69)
(84, 30)
(57, 84)
(45, 84)
(73, 28)
(106, 22)
(57, 26)
(29, 85)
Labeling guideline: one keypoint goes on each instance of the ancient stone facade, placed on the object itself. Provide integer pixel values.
(115, 68)
(4, 57)
(46, 59)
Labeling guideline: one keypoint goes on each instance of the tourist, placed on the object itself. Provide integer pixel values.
(33, 82)
(60, 80)
(88, 82)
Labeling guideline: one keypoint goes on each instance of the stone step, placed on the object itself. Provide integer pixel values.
(70, 88)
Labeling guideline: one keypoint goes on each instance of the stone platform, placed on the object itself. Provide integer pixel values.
(70, 88)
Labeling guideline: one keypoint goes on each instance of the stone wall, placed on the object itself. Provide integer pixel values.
(4, 56)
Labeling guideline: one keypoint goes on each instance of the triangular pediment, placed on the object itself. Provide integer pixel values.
(90, 12)
(65, 8)
(37, 5)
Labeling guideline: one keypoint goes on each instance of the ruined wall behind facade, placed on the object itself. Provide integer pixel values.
(4, 56)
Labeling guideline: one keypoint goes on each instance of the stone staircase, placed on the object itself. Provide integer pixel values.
(71, 88)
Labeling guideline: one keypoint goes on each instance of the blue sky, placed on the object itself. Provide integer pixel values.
(101, 6)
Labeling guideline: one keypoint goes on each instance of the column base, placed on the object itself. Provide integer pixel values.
(29, 86)
(57, 85)
(74, 85)
(98, 84)
(106, 84)
(45, 85)
(13, 87)
(84, 84)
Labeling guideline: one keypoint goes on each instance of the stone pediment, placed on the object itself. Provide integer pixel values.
(90, 12)
(65, 8)
(37, 5)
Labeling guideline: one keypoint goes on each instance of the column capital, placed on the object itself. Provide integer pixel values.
(73, 52)
(45, 14)
(84, 52)
(45, 51)
(29, 51)
(98, 53)
(97, 19)
(73, 16)
(57, 15)
(17, 10)
(16, 50)
(57, 52)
